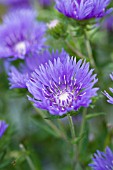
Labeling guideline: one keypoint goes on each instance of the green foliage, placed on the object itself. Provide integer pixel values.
(93, 115)
(78, 139)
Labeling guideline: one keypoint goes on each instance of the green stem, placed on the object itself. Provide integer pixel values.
(73, 137)
(74, 50)
(29, 161)
(89, 50)
(71, 126)
(82, 126)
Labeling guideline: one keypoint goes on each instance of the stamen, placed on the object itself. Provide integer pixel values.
(65, 79)
(59, 80)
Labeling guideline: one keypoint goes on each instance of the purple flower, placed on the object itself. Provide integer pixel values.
(62, 85)
(103, 161)
(22, 36)
(19, 77)
(110, 99)
(15, 3)
(108, 23)
(3, 127)
(83, 9)
(45, 2)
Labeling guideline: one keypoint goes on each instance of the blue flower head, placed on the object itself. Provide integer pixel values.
(3, 127)
(110, 98)
(22, 36)
(15, 3)
(103, 161)
(45, 2)
(62, 85)
(108, 23)
(83, 9)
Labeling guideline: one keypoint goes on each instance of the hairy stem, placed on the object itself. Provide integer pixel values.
(73, 137)
(71, 126)
(89, 51)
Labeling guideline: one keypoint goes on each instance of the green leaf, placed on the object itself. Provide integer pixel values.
(78, 167)
(93, 115)
(45, 127)
(79, 138)
(6, 163)
(83, 144)
(52, 117)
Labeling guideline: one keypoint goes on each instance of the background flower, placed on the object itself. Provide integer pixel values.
(45, 2)
(3, 127)
(61, 86)
(17, 37)
(110, 99)
(16, 3)
(83, 9)
(108, 23)
(103, 161)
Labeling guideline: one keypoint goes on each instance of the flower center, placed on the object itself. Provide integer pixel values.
(63, 96)
(63, 99)
(20, 49)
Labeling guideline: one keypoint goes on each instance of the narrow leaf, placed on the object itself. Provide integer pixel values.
(93, 115)
(79, 138)
(43, 126)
